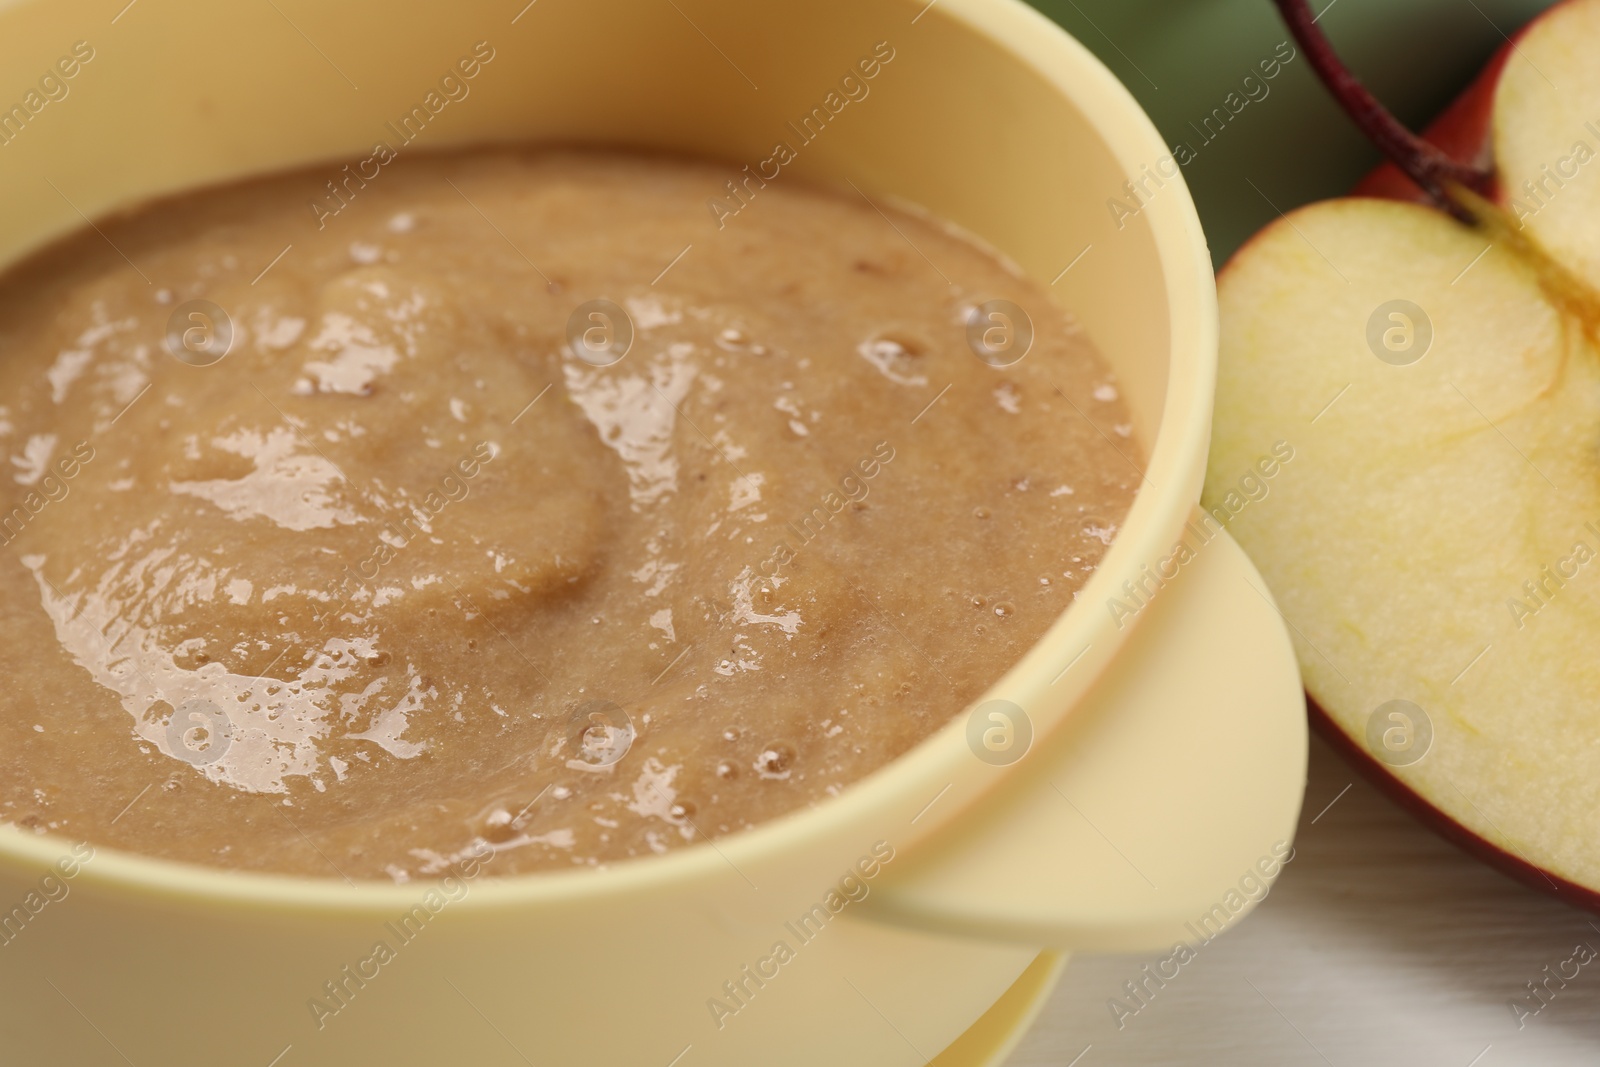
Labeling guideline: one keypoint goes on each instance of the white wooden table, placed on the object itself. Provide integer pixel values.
(1380, 944)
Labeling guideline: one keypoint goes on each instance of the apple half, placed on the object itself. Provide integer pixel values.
(1434, 542)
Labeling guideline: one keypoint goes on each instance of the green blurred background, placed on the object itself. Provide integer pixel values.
(1180, 58)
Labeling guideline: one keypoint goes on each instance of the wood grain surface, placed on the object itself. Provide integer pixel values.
(1380, 944)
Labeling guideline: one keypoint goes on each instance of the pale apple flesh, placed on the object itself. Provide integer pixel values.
(1437, 537)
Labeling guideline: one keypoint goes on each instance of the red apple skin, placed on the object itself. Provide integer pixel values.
(1506, 862)
(1463, 131)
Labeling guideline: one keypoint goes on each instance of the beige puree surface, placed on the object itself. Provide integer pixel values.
(402, 574)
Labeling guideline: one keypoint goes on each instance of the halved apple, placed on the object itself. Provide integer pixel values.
(1434, 543)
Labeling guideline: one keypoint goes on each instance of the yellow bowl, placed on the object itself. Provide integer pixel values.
(1177, 770)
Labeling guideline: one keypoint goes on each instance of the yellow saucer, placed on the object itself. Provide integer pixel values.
(987, 1042)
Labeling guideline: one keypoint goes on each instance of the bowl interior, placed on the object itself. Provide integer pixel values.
(980, 112)
(952, 122)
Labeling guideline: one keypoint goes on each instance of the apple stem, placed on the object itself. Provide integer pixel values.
(1461, 189)
(1433, 171)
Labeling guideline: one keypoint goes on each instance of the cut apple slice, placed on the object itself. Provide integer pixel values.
(1547, 139)
(1435, 541)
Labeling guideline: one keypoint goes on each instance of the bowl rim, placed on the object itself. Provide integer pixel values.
(1173, 474)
